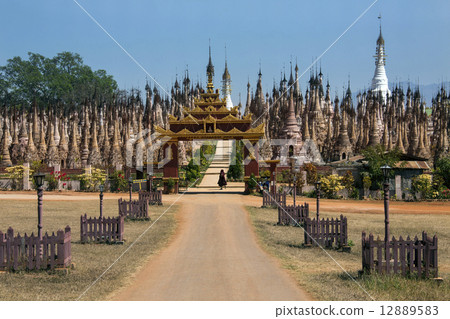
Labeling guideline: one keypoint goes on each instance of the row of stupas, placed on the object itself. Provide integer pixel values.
(341, 127)
(322, 129)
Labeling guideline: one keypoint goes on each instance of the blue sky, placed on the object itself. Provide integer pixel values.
(165, 36)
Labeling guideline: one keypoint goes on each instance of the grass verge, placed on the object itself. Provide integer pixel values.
(315, 270)
(91, 260)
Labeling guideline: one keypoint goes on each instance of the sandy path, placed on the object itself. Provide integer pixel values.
(213, 257)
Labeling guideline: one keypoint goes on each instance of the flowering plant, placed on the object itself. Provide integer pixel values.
(15, 174)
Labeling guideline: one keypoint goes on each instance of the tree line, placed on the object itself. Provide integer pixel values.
(63, 80)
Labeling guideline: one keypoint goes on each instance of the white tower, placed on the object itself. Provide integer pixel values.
(226, 87)
(380, 80)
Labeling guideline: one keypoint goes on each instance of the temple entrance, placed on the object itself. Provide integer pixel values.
(210, 119)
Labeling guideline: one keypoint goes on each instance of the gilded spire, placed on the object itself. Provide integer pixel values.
(210, 73)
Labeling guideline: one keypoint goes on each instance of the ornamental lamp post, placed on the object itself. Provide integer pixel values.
(39, 181)
(386, 169)
(149, 182)
(101, 187)
(318, 184)
(130, 185)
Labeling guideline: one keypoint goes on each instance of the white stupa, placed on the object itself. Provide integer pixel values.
(226, 87)
(380, 80)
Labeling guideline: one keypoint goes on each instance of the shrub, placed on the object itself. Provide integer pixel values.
(170, 184)
(235, 171)
(348, 182)
(354, 194)
(367, 181)
(311, 194)
(15, 174)
(89, 181)
(443, 169)
(52, 182)
(330, 185)
(423, 185)
(265, 174)
(252, 182)
(192, 171)
(311, 173)
(117, 182)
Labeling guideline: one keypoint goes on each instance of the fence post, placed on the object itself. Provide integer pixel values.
(435, 253)
(67, 246)
(9, 241)
(2, 250)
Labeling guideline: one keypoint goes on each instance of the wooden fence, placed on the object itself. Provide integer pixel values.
(410, 256)
(153, 197)
(293, 215)
(101, 229)
(30, 253)
(326, 232)
(270, 199)
(135, 209)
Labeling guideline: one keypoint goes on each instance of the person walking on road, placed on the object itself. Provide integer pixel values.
(222, 181)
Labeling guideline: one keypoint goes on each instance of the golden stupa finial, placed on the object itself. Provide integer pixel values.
(210, 72)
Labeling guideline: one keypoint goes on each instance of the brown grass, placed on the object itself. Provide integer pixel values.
(315, 270)
(91, 260)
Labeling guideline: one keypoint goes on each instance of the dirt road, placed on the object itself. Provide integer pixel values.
(213, 257)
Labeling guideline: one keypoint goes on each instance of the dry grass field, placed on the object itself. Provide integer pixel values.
(91, 260)
(317, 272)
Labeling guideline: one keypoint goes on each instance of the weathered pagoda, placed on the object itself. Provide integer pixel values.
(210, 119)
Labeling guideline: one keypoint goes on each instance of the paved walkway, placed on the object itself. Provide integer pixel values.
(220, 161)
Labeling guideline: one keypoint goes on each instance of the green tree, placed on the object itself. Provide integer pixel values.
(236, 170)
(443, 169)
(376, 157)
(63, 79)
(192, 171)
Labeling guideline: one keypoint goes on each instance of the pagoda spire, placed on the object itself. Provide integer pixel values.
(210, 73)
(226, 84)
(380, 80)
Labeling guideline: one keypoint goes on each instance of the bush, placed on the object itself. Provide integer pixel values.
(252, 182)
(311, 173)
(354, 194)
(15, 174)
(348, 182)
(192, 172)
(443, 170)
(235, 171)
(170, 184)
(423, 185)
(265, 174)
(331, 185)
(117, 182)
(89, 181)
(311, 194)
